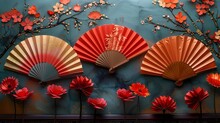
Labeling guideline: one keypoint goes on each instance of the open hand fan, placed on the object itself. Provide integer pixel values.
(44, 58)
(177, 58)
(110, 45)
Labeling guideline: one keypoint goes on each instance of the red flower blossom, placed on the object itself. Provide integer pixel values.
(193, 1)
(50, 12)
(170, 3)
(139, 89)
(77, 8)
(180, 17)
(213, 79)
(125, 95)
(27, 24)
(201, 9)
(32, 10)
(83, 84)
(209, 2)
(37, 15)
(64, 1)
(22, 94)
(14, 13)
(55, 91)
(8, 85)
(97, 103)
(195, 96)
(164, 103)
(17, 18)
(94, 15)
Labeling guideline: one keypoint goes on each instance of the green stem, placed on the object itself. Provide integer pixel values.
(15, 112)
(124, 111)
(22, 111)
(200, 107)
(55, 111)
(94, 119)
(80, 111)
(164, 111)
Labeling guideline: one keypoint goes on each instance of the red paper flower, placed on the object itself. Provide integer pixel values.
(50, 12)
(32, 10)
(95, 15)
(27, 24)
(164, 103)
(64, 1)
(180, 17)
(139, 89)
(170, 3)
(201, 9)
(77, 8)
(213, 79)
(55, 91)
(194, 97)
(83, 84)
(8, 85)
(97, 103)
(125, 95)
(22, 94)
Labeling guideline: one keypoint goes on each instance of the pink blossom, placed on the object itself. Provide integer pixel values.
(27, 24)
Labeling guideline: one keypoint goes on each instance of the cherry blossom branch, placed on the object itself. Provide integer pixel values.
(37, 29)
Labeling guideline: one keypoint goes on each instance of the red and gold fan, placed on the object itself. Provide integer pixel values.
(44, 58)
(177, 58)
(110, 45)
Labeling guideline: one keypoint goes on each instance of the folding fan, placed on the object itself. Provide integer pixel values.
(110, 45)
(177, 58)
(44, 57)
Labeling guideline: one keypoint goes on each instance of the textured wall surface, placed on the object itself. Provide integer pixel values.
(127, 13)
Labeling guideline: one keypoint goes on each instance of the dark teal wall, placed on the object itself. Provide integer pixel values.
(127, 13)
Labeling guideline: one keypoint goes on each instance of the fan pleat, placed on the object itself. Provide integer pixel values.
(99, 40)
(177, 58)
(36, 56)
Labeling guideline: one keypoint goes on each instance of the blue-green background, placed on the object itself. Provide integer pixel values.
(125, 12)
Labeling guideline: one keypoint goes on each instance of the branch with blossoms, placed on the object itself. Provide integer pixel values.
(16, 24)
(185, 24)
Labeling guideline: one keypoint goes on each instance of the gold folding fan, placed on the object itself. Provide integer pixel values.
(110, 45)
(177, 58)
(44, 57)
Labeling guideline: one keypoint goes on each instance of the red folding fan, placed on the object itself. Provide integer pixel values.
(110, 45)
(44, 57)
(177, 58)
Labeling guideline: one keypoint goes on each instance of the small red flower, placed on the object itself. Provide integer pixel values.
(180, 17)
(95, 15)
(213, 79)
(77, 8)
(171, 3)
(27, 24)
(209, 2)
(64, 1)
(97, 103)
(32, 10)
(125, 95)
(55, 91)
(50, 12)
(201, 9)
(163, 103)
(8, 85)
(22, 94)
(83, 84)
(139, 89)
(37, 15)
(195, 96)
